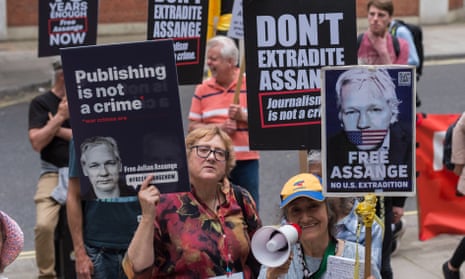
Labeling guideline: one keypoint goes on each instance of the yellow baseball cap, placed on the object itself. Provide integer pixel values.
(302, 185)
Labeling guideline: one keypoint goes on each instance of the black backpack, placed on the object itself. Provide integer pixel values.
(447, 147)
(417, 35)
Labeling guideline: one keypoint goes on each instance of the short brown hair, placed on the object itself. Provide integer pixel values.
(385, 5)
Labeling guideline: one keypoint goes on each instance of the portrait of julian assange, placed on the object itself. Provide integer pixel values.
(101, 164)
(368, 128)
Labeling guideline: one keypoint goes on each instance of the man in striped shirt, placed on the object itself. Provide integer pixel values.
(214, 103)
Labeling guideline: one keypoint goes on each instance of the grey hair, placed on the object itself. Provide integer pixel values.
(229, 49)
(96, 141)
(381, 80)
(57, 70)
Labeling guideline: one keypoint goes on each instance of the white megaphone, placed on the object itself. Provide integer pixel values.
(271, 245)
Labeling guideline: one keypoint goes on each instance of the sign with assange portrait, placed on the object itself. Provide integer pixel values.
(287, 43)
(66, 23)
(368, 130)
(126, 117)
(186, 23)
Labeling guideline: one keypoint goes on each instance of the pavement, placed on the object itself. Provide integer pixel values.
(22, 73)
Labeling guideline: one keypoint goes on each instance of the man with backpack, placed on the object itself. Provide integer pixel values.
(410, 33)
(413, 35)
(403, 30)
(400, 29)
(377, 46)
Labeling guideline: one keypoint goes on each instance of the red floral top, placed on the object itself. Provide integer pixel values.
(191, 241)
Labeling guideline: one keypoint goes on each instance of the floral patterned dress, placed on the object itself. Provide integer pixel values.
(192, 241)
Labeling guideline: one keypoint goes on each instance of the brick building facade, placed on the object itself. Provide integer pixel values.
(19, 17)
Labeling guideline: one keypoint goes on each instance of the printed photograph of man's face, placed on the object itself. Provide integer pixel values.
(367, 105)
(101, 163)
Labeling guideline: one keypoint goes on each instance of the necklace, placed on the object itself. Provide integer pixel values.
(330, 250)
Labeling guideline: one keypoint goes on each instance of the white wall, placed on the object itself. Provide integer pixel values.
(3, 27)
(434, 11)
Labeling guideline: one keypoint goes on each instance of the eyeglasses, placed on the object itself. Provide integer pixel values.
(203, 151)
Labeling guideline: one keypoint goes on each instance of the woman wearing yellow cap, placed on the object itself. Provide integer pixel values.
(303, 203)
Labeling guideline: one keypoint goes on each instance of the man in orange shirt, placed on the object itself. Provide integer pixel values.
(213, 103)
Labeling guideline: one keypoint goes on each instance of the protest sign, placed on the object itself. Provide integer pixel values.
(344, 268)
(66, 23)
(124, 92)
(186, 24)
(287, 42)
(236, 28)
(368, 130)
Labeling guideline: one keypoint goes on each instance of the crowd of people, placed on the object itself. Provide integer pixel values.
(118, 232)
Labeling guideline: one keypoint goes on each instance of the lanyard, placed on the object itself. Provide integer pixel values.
(330, 250)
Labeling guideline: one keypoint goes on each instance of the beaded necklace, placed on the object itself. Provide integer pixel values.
(330, 250)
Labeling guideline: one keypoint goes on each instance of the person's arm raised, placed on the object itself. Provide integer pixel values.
(140, 252)
(41, 137)
(380, 44)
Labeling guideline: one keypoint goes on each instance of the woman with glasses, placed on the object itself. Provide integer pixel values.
(202, 233)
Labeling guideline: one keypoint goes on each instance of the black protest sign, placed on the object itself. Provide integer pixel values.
(368, 130)
(66, 23)
(125, 92)
(287, 42)
(186, 23)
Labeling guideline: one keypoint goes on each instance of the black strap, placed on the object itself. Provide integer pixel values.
(240, 199)
(251, 261)
(395, 43)
(394, 27)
